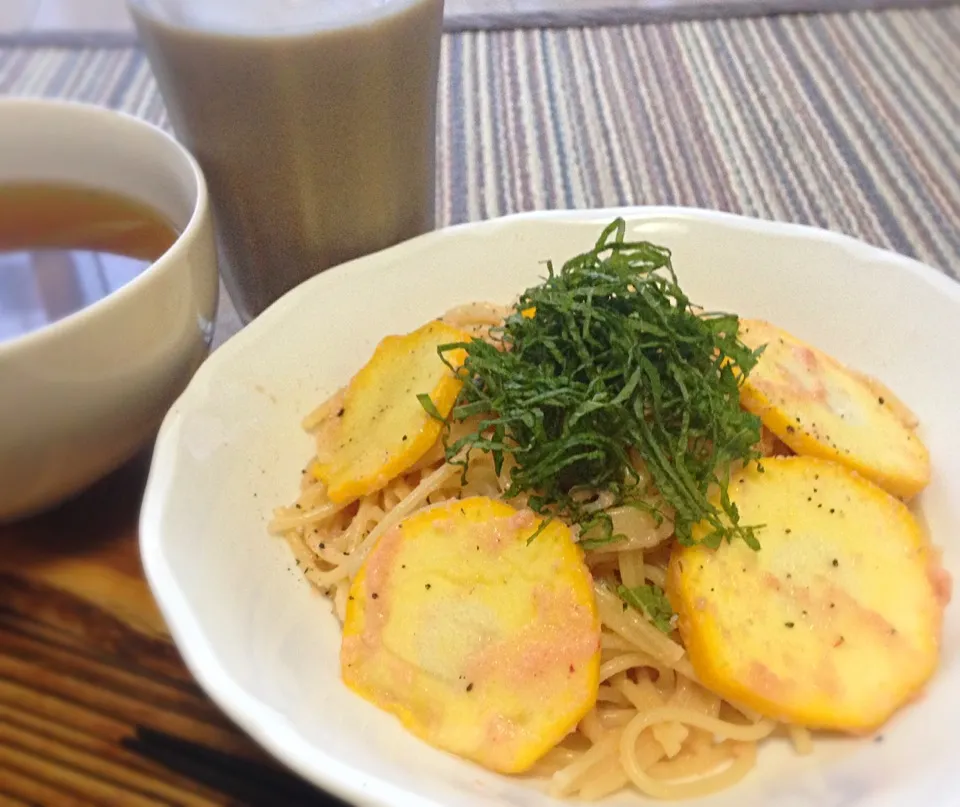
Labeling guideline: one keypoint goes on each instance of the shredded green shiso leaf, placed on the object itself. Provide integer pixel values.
(615, 363)
(650, 601)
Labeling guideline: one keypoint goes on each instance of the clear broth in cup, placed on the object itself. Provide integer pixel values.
(64, 247)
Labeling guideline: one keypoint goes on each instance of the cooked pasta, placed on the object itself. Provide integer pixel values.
(654, 725)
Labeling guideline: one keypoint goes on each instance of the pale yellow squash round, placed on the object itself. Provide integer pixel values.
(481, 643)
(382, 428)
(820, 408)
(835, 622)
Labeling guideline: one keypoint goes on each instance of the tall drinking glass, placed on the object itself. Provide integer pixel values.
(314, 122)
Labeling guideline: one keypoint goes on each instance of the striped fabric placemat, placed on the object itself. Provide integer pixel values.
(106, 23)
(462, 15)
(844, 121)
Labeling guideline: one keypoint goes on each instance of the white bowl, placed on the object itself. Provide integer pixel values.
(265, 647)
(80, 396)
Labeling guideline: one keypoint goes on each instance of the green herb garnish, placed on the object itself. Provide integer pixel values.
(615, 372)
(429, 406)
(651, 601)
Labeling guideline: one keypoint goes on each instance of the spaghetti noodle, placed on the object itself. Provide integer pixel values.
(654, 726)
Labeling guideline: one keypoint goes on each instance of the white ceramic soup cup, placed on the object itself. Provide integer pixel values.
(82, 395)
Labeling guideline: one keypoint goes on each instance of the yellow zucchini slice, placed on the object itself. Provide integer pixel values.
(480, 643)
(382, 429)
(835, 622)
(820, 408)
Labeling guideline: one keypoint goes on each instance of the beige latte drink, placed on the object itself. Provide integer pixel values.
(313, 120)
